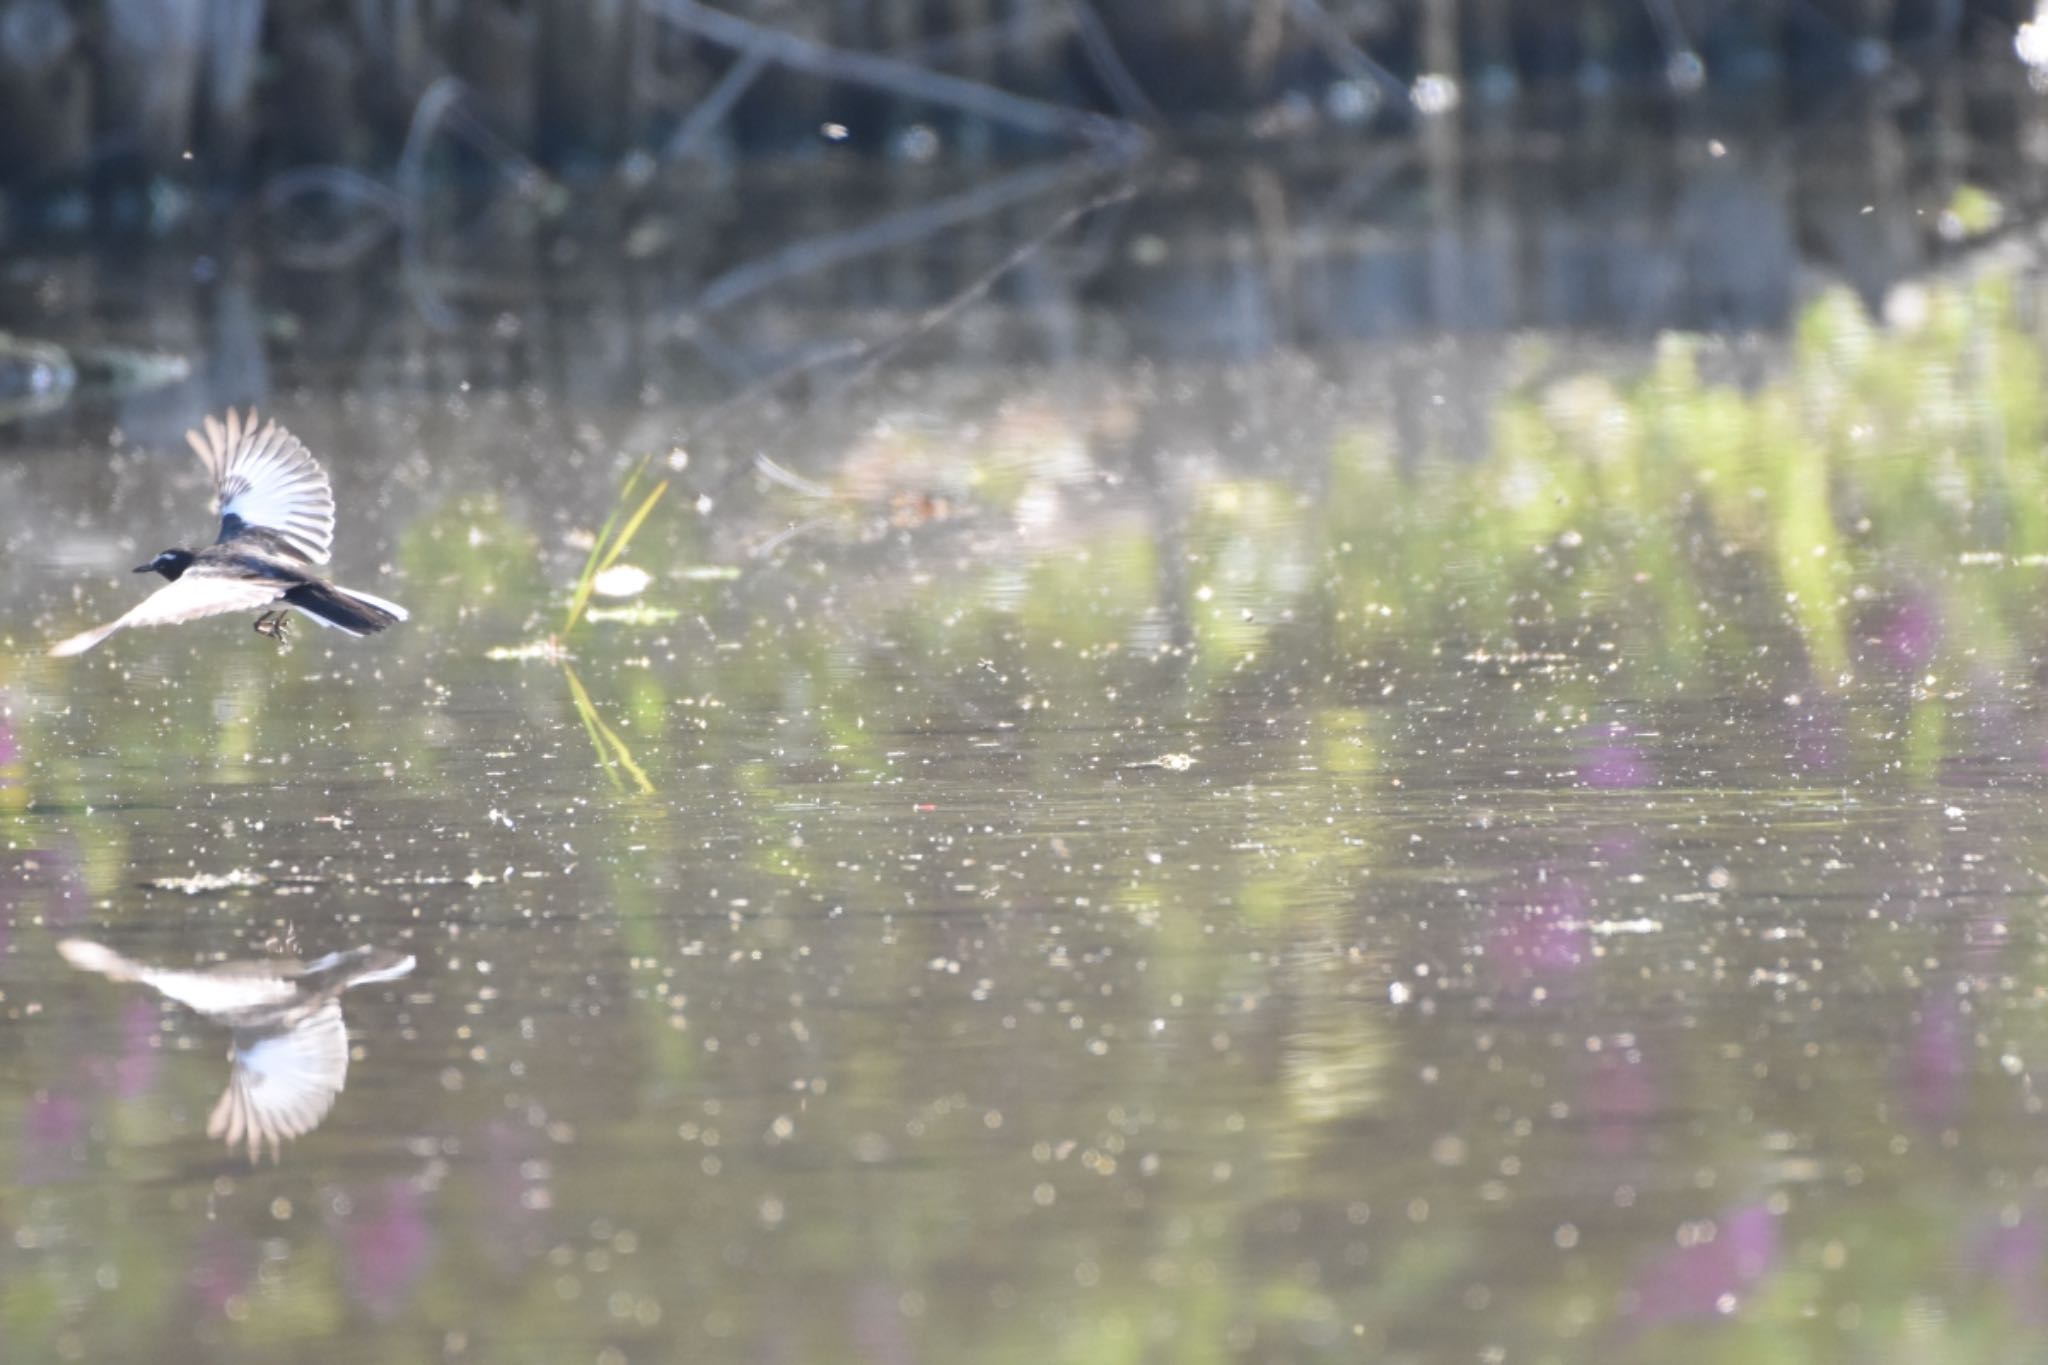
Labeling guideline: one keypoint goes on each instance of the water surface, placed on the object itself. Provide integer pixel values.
(1511, 843)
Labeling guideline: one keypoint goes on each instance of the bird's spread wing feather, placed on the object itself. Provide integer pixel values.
(188, 598)
(265, 477)
(283, 1083)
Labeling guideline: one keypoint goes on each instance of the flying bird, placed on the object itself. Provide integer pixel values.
(289, 1058)
(276, 522)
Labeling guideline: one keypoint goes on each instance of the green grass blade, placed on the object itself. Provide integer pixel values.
(632, 527)
(595, 562)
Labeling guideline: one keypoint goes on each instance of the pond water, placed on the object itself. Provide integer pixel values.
(1152, 827)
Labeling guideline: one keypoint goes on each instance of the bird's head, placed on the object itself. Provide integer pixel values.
(170, 563)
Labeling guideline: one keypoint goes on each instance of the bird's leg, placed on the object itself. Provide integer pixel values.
(275, 624)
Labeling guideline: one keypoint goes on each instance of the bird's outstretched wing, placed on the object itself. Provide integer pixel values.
(283, 1081)
(217, 991)
(265, 478)
(186, 599)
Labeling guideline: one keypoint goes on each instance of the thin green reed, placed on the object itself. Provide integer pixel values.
(612, 540)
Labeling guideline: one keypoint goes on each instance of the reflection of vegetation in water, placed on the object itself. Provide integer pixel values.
(628, 515)
(480, 562)
(612, 540)
(613, 753)
(920, 1001)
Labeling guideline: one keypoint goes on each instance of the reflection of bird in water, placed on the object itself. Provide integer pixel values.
(290, 1049)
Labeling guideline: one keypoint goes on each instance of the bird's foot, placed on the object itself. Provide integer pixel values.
(275, 624)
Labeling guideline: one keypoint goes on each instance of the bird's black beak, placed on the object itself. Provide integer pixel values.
(146, 568)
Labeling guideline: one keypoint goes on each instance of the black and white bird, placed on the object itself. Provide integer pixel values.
(276, 522)
(289, 1057)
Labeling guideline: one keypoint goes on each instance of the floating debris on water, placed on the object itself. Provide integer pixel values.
(621, 580)
(199, 883)
(638, 614)
(549, 650)
(1173, 763)
(1639, 925)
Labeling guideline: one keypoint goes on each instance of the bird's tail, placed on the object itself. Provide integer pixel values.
(358, 613)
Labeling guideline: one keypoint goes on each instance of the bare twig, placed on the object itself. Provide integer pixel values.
(790, 479)
(1100, 49)
(784, 536)
(716, 105)
(883, 234)
(1670, 28)
(1033, 22)
(942, 313)
(1359, 186)
(443, 101)
(411, 178)
(384, 213)
(720, 412)
(1350, 58)
(903, 78)
(872, 355)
